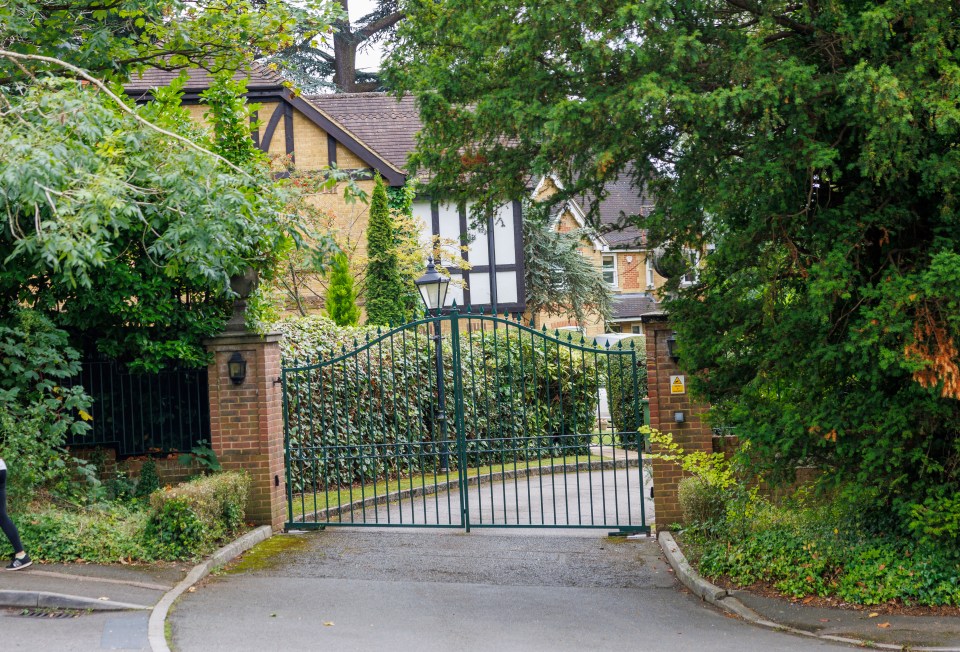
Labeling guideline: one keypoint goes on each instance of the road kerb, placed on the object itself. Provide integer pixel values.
(48, 600)
(721, 599)
(155, 628)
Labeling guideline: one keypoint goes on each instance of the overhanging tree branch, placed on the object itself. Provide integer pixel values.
(122, 105)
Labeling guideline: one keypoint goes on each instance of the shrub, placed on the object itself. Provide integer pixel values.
(100, 534)
(188, 519)
(149, 481)
(384, 286)
(341, 295)
(37, 407)
(701, 502)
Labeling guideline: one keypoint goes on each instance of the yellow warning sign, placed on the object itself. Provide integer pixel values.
(678, 385)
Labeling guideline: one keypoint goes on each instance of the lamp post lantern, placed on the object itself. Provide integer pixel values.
(433, 291)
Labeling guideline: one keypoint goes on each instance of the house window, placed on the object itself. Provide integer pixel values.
(635, 329)
(649, 261)
(609, 268)
(694, 261)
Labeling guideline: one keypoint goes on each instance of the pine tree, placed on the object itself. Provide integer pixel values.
(384, 285)
(341, 295)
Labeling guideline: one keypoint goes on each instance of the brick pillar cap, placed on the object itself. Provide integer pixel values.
(242, 338)
(650, 317)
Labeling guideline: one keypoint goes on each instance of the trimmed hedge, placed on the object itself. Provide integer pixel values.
(524, 398)
(190, 518)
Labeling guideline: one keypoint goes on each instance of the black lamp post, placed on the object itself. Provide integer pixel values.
(433, 290)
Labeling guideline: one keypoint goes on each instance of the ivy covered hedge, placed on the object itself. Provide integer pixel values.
(375, 412)
(620, 384)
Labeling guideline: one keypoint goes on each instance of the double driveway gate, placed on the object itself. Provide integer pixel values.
(465, 420)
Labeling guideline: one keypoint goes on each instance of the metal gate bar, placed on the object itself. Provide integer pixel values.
(369, 424)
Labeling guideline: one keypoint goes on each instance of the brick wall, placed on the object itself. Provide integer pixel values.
(246, 421)
(694, 434)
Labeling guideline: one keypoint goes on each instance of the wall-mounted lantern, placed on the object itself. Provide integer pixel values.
(237, 368)
(672, 347)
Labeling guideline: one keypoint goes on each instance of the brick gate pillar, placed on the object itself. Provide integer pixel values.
(666, 400)
(246, 420)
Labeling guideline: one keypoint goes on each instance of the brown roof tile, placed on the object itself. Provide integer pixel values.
(259, 77)
(617, 212)
(385, 124)
(629, 306)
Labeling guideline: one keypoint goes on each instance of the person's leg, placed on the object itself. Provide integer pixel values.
(21, 560)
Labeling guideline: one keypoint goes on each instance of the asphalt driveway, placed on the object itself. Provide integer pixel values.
(424, 590)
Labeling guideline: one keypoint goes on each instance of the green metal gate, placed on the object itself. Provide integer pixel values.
(465, 420)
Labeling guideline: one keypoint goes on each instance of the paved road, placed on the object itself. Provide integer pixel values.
(424, 590)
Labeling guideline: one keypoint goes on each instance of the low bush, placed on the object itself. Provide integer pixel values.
(99, 534)
(823, 544)
(700, 501)
(188, 519)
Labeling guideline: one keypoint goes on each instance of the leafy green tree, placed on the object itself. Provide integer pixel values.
(813, 143)
(110, 39)
(557, 278)
(384, 287)
(126, 237)
(341, 295)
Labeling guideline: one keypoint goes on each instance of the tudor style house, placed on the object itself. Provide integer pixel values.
(364, 133)
(619, 249)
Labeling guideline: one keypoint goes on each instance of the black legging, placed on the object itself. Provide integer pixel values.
(5, 523)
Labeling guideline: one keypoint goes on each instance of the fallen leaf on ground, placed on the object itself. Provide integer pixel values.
(103, 597)
(824, 620)
(329, 623)
(191, 589)
(883, 625)
(873, 615)
(808, 599)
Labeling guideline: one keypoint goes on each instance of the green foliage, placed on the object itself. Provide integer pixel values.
(230, 115)
(38, 407)
(701, 502)
(149, 481)
(106, 533)
(410, 253)
(815, 149)
(557, 278)
(813, 550)
(189, 519)
(624, 404)
(524, 398)
(112, 38)
(122, 236)
(384, 284)
(341, 295)
(936, 521)
(203, 456)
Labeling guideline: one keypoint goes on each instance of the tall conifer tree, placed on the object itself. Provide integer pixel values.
(341, 295)
(384, 286)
